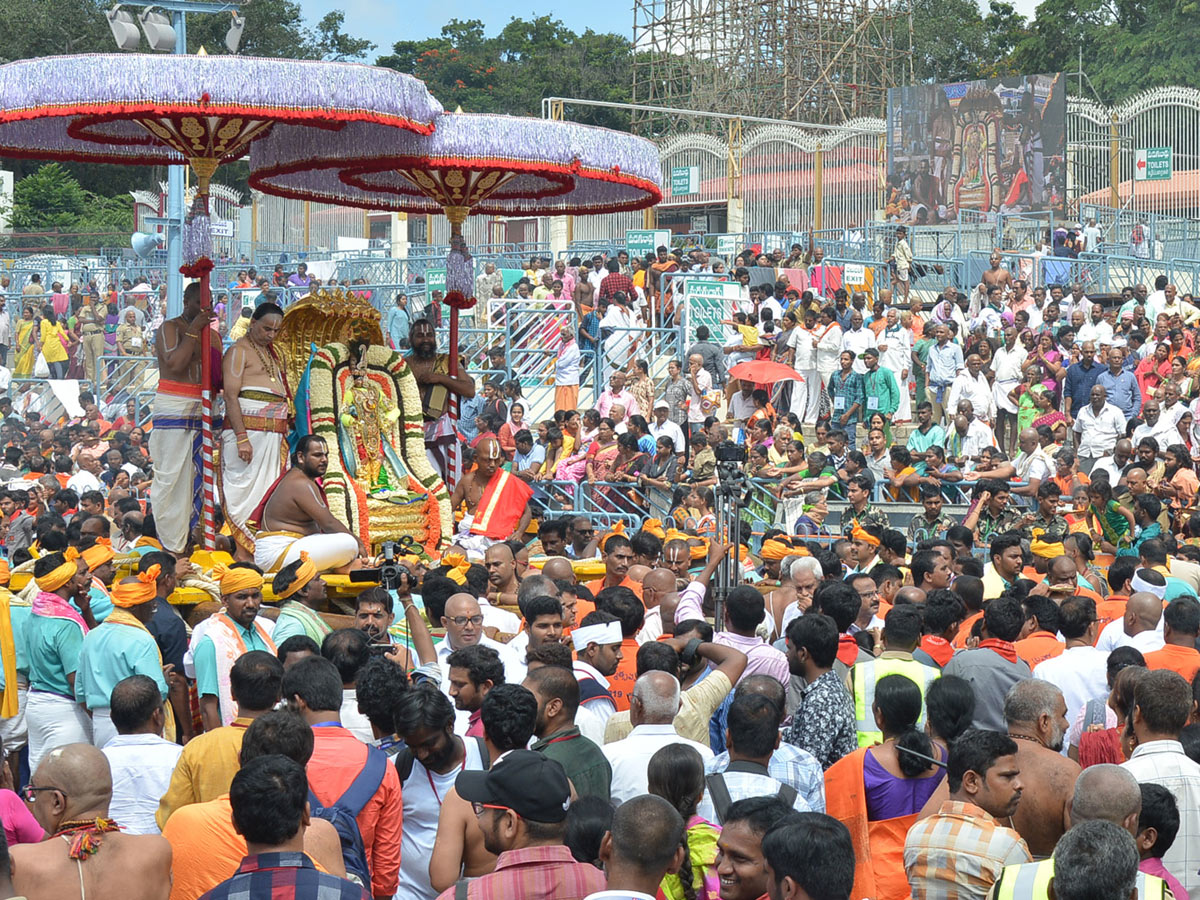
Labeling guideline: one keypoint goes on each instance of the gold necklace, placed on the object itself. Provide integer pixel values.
(268, 361)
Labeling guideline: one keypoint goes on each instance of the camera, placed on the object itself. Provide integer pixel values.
(387, 574)
(729, 452)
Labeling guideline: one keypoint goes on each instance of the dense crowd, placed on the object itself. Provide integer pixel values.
(960, 661)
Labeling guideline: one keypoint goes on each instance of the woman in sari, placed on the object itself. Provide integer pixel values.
(508, 431)
(1181, 379)
(1050, 358)
(602, 455)
(676, 773)
(26, 353)
(658, 474)
(1045, 414)
(572, 460)
(1153, 370)
(760, 500)
(625, 470)
(877, 792)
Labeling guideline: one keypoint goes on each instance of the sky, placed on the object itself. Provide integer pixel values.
(388, 21)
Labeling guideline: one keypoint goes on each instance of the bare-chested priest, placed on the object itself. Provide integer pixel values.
(295, 516)
(257, 408)
(175, 441)
(431, 370)
(497, 501)
(84, 855)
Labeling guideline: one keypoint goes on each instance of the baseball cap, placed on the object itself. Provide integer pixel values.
(532, 785)
(661, 404)
(870, 351)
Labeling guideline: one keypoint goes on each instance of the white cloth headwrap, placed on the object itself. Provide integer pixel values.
(606, 633)
(1138, 584)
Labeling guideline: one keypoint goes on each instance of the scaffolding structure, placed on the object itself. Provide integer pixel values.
(819, 61)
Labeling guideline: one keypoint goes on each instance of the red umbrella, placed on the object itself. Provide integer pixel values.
(763, 371)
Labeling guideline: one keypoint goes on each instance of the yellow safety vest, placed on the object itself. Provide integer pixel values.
(1029, 881)
(866, 674)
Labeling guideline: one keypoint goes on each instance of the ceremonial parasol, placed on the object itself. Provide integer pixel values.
(763, 371)
(145, 109)
(469, 165)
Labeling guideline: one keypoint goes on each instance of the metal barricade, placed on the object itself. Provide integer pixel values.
(123, 378)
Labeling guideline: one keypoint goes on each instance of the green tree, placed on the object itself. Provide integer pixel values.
(51, 200)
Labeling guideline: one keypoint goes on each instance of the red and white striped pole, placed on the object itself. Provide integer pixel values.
(209, 504)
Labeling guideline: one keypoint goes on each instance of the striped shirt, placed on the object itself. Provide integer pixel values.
(959, 852)
(535, 873)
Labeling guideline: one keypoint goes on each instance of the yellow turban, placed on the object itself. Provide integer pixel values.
(654, 527)
(5, 574)
(674, 534)
(701, 551)
(135, 592)
(618, 528)
(306, 573)
(98, 554)
(56, 578)
(234, 580)
(458, 565)
(861, 534)
(776, 549)
(1046, 550)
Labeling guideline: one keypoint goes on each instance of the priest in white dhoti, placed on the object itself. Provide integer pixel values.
(257, 414)
(177, 489)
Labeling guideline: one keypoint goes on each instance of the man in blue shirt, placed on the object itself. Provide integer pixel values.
(1077, 386)
(1121, 385)
(945, 362)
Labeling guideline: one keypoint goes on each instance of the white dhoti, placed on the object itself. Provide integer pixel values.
(54, 721)
(904, 410)
(442, 448)
(14, 731)
(103, 730)
(476, 545)
(273, 550)
(812, 395)
(177, 490)
(243, 485)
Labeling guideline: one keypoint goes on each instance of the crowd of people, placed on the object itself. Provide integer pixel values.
(894, 701)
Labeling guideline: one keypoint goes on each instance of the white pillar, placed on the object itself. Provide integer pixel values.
(558, 235)
(734, 217)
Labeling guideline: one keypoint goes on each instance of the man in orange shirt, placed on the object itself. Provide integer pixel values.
(1181, 625)
(205, 847)
(618, 557)
(1120, 573)
(313, 688)
(622, 603)
(1039, 639)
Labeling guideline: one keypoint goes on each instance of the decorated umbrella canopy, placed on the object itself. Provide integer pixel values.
(145, 109)
(471, 164)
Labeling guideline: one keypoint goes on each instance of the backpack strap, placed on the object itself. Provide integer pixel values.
(719, 792)
(404, 764)
(460, 889)
(484, 756)
(787, 794)
(365, 783)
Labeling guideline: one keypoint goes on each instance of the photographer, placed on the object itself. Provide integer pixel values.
(408, 644)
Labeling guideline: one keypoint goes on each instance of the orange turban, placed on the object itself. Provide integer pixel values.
(618, 528)
(458, 567)
(143, 590)
(674, 534)
(5, 575)
(56, 578)
(861, 534)
(306, 573)
(775, 549)
(98, 554)
(234, 580)
(654, 527)
(701, 551)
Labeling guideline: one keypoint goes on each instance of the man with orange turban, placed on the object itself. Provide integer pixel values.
(219, 640)
(120, 647)
(98, 553)
(302, 593)
(53, 638)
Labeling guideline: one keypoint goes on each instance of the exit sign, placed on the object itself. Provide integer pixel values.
(1152, 164)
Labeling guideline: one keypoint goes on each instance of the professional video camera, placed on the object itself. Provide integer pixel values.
(388, 573)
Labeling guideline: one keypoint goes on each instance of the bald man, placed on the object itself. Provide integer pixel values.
(1036, 715)
(497, 501)
(1102, 793)
(656, 585)
(1141, 626)
(463, 621)
(72, 789)
(560, 569)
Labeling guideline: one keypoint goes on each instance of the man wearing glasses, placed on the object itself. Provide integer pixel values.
(521, 804)
(463, 621)
(69, 795)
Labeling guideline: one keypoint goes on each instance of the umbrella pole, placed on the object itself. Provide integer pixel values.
(204, 169)
(456, 215)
